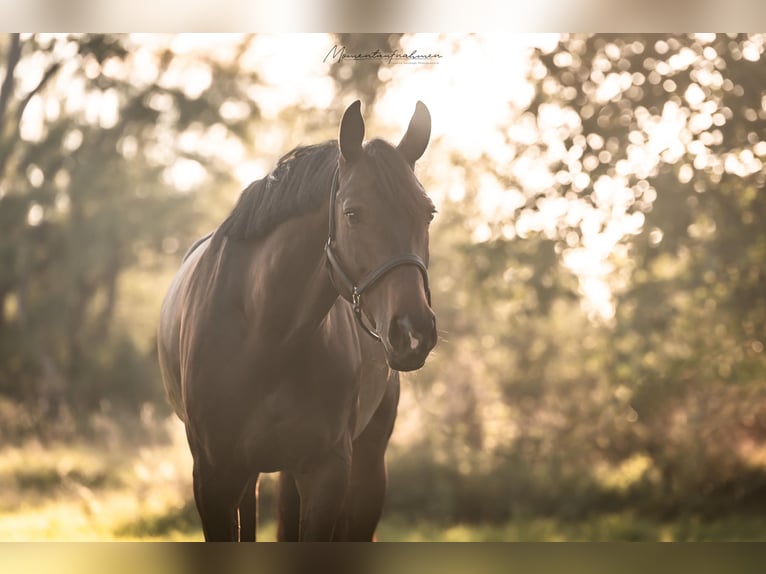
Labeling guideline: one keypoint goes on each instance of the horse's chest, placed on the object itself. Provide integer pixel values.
(303, 414)
(278, 414)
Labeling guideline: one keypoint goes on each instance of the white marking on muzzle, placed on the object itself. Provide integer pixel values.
(414, 341)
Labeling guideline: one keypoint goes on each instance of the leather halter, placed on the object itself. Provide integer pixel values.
(352, 292)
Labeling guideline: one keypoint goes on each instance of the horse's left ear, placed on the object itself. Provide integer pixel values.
(414, 142)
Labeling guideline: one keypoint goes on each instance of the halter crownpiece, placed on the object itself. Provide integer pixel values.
(352, 292)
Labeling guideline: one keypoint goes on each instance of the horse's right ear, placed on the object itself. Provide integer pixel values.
(351, 132)
(415, 141)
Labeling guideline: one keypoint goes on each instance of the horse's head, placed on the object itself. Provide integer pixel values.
(378, 248)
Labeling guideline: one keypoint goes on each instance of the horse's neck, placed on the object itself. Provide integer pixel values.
(288, 290)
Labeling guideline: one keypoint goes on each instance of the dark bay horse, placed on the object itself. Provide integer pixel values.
(282, 335)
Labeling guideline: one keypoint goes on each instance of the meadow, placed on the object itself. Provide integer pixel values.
(111, 489)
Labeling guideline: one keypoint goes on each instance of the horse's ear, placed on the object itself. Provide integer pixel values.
(351, 132)
(414, 142)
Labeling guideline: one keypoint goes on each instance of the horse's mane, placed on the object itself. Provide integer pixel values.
(302, 179)
(296, 186)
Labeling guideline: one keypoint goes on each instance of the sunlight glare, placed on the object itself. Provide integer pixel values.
(478, 85)
(186, 174)
(292, 69)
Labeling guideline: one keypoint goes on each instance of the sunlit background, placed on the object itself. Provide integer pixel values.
(597, 271)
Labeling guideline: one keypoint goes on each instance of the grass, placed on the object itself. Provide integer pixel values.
(94, 492)
(119, 491)
(624, 527)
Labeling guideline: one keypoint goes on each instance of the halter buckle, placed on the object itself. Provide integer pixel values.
(356, 300)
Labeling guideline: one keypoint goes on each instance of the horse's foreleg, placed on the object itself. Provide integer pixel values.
(366, 494)
(367, 489)
(322, 489)
(217, 494)
(248, 512)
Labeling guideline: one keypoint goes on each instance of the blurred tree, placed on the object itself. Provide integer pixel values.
(104, 154)
(678, 122)
(655, 143)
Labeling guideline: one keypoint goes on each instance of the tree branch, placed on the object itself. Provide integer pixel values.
(14, 55)
(49, 73)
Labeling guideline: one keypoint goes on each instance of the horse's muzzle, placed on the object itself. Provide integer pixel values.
(409, 345)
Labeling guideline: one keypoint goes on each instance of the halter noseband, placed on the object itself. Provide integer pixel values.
(352, 292)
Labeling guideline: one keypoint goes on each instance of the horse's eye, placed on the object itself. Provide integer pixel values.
(351, 216)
